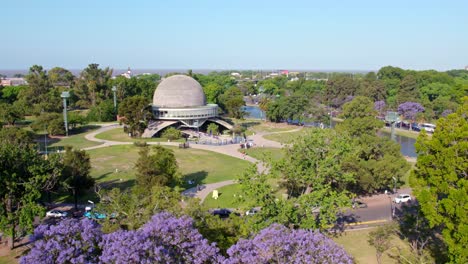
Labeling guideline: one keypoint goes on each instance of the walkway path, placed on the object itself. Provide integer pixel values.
(230, 150)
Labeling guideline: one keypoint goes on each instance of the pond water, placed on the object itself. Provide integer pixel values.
(253, 112)
(406, 143)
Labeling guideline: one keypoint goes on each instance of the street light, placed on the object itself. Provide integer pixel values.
(114, 90)
(65, 95)
(394, 184)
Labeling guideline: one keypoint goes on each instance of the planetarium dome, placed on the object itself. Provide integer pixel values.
(179, 91)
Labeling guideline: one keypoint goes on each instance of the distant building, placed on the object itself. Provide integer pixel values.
(235, 74)
(12, 81)
(284, 72)
(127, 74)
(466, 68)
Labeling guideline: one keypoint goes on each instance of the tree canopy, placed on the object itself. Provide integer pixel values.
(441, 173)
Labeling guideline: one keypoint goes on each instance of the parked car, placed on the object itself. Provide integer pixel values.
(402, 198)
(359, 204)
(415, 127)
(94, 215)
(222, 213)
(56, 214)
(428, 127)
(251, 211)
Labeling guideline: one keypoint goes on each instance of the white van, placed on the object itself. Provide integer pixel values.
(428, 127)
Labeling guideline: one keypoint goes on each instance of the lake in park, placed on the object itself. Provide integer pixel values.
(406, 143)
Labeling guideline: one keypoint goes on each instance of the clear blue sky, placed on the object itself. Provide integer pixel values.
(219, 34)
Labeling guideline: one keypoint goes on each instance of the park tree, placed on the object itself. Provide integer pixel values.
(41, 95)
(212, 129)
(410, 110)
(408, 90)
(339, 87)
(313, 174)
(232, 101)
(381, 239)
(23, 172)
(10, 113)
(359, 115)
(164, 239)
(441, 173)
(92, 86)
(59, 76)
(69, 241)
(134, 111)
(278, 244)
(156, 166)
(372, 87)
(10, 94)
(75, 174)
(133, 207)
(103, 112)
(378, 163)
(212, 91)
(380, 107)
(390, 72)
(39, 85)
(172, 133)
(52, 122)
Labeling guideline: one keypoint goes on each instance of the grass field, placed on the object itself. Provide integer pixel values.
(261, 153)
(228, 198)
(355, 243)
(118, 134)
(76, 138)
(116, 164)
(285, 137)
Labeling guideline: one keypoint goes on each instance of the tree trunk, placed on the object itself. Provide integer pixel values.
(11, 241)
(75, 195)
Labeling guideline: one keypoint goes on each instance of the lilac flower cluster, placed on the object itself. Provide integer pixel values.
(278, 244)
(70, 241)
(379, 106)
(165, 239)
(410, 109)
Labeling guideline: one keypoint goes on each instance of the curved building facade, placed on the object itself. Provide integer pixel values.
(179, 100)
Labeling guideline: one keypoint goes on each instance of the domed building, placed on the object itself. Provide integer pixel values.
(179, 101)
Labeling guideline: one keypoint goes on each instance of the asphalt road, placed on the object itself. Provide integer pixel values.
(379, 210)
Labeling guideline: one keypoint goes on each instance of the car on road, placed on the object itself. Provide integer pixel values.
(251, 211)
(56, 214)
(359, 204)
(222, 213)
(94, 215)
(402, 198)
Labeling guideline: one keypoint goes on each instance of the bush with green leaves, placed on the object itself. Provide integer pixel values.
(172, 133)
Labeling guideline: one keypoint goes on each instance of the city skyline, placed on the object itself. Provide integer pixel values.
(300, 35)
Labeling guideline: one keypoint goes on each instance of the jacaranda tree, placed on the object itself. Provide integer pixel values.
(278, 244)
(164, 239)
(168, 239)
(70, 241)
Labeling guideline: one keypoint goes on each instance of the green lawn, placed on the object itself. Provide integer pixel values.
(228, 198)
(274, 154)
(76, 138)
(287, 137)
(194, 164)
(355, 243)
(118, 134)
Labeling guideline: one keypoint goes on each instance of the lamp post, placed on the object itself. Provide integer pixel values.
(394, 184)
(114, 90)
(65, 95)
